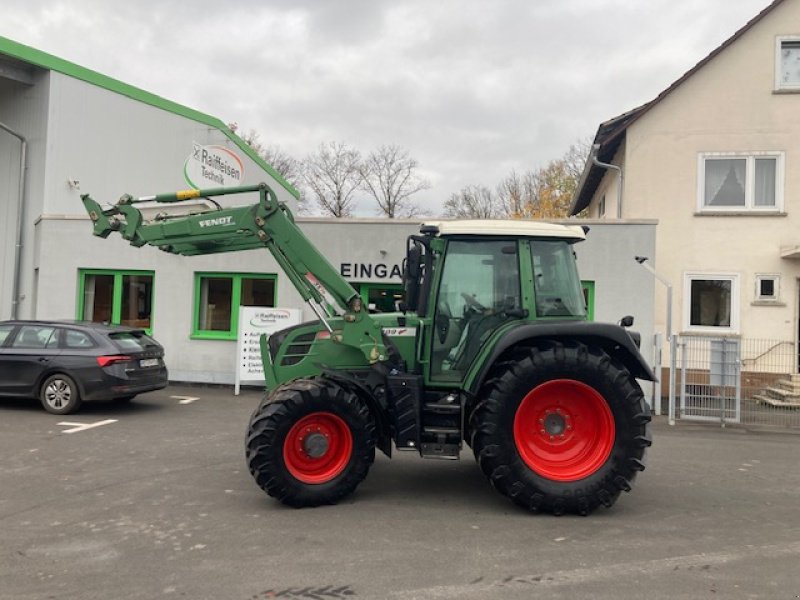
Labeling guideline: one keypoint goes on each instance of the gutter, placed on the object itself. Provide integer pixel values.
(20, 210)
(596, 161)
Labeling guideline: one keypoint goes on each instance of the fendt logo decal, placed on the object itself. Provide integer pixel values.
(215, 222)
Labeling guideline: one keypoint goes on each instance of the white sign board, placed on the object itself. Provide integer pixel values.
(213, 167)
(254, 321)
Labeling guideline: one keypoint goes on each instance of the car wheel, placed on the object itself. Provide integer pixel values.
(59, 395)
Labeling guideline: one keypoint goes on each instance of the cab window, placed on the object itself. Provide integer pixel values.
(556, 284)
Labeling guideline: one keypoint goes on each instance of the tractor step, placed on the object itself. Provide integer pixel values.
(440, 451)
(438, 430)
(440, 408)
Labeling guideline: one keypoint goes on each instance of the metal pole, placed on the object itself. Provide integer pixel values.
(20, 210)
(673, 356)
(642, 260)
(657, 352)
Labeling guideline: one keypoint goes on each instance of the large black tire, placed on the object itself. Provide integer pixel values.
(310, 442)
(561, 428)
(59, 395)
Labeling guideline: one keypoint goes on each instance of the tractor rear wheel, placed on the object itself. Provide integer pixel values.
(310, 442)
(561, 428)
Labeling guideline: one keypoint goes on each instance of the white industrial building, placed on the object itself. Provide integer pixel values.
(65, 131)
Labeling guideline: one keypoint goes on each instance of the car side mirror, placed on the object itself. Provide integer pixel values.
(626, 321)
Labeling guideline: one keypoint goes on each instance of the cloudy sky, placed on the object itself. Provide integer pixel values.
(472, 88)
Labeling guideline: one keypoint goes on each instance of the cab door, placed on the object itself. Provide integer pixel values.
(479, 290)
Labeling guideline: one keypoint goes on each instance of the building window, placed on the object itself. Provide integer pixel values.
(380, 297)
(787, 63)
(119, 297)
(741, 182)
(218, 297)
(768, 288)
(711, 302)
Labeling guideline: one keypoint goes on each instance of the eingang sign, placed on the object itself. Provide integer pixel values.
(212, 167)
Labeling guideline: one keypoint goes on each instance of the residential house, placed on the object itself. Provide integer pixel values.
(715, 159)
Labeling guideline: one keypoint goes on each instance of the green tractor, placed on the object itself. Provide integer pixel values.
(491, 347)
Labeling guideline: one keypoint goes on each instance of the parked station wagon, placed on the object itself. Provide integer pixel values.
(64, 363)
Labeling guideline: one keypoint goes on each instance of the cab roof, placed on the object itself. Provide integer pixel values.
(513, 227)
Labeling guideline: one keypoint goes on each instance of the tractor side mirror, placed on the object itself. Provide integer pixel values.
(411, 277)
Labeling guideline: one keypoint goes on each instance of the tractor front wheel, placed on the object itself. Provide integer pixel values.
(310, 442)
(561, 428)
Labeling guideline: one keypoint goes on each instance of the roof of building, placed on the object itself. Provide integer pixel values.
(611, 133)
(19, 53)
(512, 227)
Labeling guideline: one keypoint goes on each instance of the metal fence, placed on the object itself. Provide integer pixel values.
(736, 380)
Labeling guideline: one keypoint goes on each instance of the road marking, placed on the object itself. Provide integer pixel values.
(186, 399)
(84, 426)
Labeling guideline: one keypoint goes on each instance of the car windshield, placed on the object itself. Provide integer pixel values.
(133, 341)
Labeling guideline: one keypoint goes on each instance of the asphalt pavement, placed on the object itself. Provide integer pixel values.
(152, 499)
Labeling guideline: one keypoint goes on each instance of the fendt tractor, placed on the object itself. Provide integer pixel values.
(491, 347)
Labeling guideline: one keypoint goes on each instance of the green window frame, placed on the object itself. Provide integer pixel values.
(233, 290)
(123, 284)
(383, 295)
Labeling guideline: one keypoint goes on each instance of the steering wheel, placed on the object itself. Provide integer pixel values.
(472, 303)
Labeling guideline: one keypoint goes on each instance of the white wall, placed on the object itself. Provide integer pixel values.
(113, 144)
(23, 108)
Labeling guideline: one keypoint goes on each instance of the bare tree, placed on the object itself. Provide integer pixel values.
(389, 176)
(546, 192)
(516, 192)
(287, 166)
(472, 202)
(333, 175)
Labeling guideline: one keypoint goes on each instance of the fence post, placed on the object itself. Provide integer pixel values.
(673, 357)
(657, 352)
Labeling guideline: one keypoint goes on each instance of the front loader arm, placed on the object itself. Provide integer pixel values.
(267, 224)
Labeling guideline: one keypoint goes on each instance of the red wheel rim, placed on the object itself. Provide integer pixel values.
(564, 430)
(318, 447)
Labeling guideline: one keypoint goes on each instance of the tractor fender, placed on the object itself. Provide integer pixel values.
(613, 339)
(363, 390)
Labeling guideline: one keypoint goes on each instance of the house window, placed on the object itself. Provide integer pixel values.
(711, 302)
(120, 297)
(787, 64)
(741, 182)
(218, 297)
(768, 288)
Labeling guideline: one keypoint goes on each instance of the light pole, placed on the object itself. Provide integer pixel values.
(642, 260)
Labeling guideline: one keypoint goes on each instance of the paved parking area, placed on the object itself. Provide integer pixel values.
(153, 500)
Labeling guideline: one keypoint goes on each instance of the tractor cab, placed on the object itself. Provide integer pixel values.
(472, 279)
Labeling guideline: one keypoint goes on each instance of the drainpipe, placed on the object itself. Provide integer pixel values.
(595, 161)
(20, 210)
